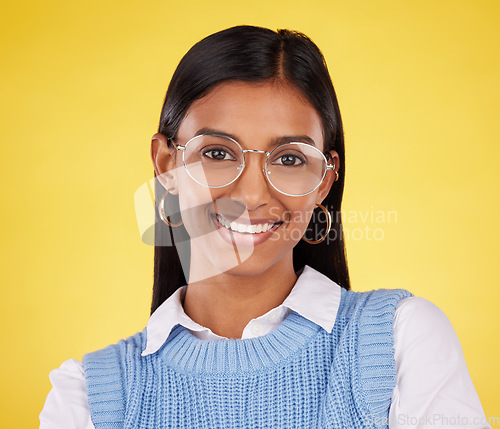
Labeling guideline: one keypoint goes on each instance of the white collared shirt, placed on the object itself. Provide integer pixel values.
(433, 385)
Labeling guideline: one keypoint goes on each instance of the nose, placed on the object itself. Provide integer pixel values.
(252, 186)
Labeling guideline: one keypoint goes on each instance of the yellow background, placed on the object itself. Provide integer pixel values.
(82, 87)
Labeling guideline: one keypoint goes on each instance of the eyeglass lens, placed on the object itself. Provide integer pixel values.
(292, 168)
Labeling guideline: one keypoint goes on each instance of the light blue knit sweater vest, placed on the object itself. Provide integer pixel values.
(296, 376)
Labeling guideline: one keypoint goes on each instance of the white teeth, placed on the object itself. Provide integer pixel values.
(239, 227)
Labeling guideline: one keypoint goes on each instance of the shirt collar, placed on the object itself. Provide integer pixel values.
(314, 296)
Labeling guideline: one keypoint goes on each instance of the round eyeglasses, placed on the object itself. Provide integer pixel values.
(294, 169)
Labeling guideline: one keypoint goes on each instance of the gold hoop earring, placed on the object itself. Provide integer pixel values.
(161, 210)
(328, 226)
(337, 176)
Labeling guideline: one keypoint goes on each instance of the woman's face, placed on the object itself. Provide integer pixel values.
(256, 115)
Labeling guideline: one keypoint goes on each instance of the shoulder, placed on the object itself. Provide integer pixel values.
(113, 353)
(419, 320)
(373, 303)
(421, 327)
(70, 369)
(97, 365)
(66, 405)
(376, 295)
(415, 306)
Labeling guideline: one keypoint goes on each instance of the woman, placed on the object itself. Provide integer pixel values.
(253, 322)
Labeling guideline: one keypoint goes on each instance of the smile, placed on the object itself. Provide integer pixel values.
(246, 228)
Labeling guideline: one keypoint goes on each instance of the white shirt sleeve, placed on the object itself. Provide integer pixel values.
(433, 385)
(66, 405)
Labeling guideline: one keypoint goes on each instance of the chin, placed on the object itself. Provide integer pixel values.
(248, 268)
(212, 256)
(255, 265)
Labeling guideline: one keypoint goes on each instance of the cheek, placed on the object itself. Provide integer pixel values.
(194, 202)
(300, 219)
(193, 206)
(298, 214)
(300, 209)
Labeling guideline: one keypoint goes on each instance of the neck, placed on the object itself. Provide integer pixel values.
(225, 303)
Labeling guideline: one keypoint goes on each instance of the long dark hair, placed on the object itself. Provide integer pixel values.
(253, 54)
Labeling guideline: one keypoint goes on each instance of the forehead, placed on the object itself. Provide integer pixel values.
(255, 113)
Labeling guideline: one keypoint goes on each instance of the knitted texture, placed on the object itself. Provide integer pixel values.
(298, 375)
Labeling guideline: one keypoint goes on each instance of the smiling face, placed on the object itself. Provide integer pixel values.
(258, 116)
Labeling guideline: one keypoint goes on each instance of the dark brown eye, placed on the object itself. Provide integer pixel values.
(289, 160)
(218, 154)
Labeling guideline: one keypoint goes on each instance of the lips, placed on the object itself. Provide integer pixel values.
(246, 226)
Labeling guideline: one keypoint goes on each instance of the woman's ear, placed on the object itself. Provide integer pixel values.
(330, 177)
(163, 158)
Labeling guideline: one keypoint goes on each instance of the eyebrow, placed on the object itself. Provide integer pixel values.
(275, 142)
